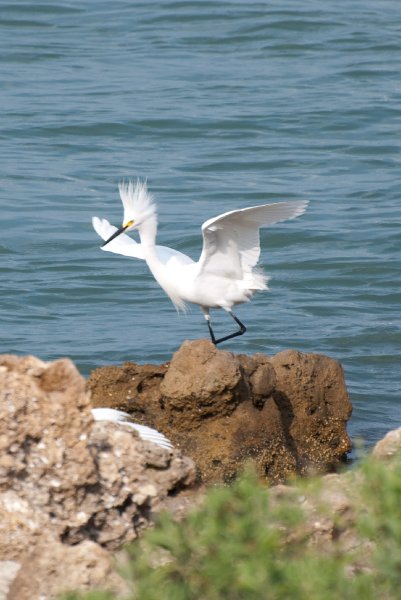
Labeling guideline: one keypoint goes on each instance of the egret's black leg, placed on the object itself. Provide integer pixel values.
(240, 331)
(211, 332)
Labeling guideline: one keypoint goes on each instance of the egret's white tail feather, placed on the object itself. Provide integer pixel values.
(257, 281)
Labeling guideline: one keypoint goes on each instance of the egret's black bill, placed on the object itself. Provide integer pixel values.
(115, 234)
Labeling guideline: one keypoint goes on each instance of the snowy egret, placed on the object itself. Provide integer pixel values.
(145, 433)
(225, 273)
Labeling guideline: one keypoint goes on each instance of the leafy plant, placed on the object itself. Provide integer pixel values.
(238, 545)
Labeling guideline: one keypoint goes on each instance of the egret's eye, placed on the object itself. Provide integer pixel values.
(130, 223)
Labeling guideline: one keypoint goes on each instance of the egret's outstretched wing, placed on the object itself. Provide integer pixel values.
(231, 245)
(125, 245)
(145, 433)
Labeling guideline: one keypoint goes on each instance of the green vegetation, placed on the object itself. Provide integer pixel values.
(240, 545)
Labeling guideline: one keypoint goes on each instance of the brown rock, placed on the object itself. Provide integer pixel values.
(314, 406)
(287, 413)
(127, 386)
(201, 383)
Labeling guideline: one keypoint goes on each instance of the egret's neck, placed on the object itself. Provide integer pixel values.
(147, 233)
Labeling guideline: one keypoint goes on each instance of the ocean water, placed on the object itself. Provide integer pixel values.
(219, 105)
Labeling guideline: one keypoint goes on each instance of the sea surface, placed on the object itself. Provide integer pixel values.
(219, 105)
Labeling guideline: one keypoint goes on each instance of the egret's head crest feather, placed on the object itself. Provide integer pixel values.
(137, 201)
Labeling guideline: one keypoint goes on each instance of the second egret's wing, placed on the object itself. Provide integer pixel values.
(125, 245)
(231, 245)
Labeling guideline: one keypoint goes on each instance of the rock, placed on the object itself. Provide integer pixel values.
(120, 387)
(287, 413)
(330, 507)
(389, 446)
(8, 572)
(70, 485)
(53, 568)
(314, 407)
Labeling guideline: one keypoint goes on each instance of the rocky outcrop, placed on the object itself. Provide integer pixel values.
(286, 413)
(73, 490)
(70, 488)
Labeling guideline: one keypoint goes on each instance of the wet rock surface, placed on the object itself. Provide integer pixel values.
(286, 413)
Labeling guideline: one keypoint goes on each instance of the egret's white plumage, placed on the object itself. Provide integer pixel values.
(225, 273)
(145, 433)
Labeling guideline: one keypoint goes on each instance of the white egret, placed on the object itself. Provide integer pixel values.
(225, 273)
(145, 433)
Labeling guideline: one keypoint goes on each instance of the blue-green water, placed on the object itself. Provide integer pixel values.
(219, 105)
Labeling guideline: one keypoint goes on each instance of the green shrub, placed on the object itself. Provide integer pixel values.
(381, 521)
(235, 547)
